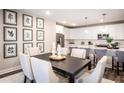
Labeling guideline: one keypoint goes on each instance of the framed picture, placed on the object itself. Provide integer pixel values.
(27, 20)
(9, 17)
(40, 35)
(102, 36)
(26, 46)
(10, 50)
(27, 34)
(40, 45)
(10, 33)
(40, 23)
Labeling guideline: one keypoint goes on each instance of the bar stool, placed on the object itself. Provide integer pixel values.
(119, 60)
(99, 53)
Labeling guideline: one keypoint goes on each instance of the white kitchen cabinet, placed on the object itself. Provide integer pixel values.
(115, 30)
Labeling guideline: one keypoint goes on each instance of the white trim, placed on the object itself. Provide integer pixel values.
(10, 70)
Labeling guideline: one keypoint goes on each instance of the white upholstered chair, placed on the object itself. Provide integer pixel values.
(43, 72)
(26, 67)
(80, 53)
(64, 51)
(97, 74)
(33, 51)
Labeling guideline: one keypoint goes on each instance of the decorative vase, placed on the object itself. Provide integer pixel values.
(59, 50)
(53, 49)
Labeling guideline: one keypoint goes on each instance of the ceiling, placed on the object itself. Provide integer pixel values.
(75, 17)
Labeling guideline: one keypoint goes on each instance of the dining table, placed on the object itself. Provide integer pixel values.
(70, 66)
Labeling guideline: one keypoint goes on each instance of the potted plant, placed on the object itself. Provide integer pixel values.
(109, 40)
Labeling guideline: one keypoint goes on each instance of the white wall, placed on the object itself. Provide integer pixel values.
(50, 34)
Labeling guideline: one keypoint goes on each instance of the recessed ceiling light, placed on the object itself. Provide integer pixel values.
(47, 12)
(86, 31)
(73, 24)
(101, 20)
(64, 22)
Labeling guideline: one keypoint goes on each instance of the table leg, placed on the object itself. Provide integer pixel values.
(112, 63)
(71, 79)
(123, 66)
(89, 66)
(117, 68)
(94, 61)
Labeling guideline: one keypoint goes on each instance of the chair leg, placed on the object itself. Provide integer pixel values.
(93, 60)
(96, 61)
(117, 68)
(25, 79)
(123, 66)
(32, 81)
(112, 63)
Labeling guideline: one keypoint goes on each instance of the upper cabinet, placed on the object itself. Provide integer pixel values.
(116, 31)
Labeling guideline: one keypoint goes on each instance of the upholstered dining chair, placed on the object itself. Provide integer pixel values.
(33, 51)
(43, 72)
(64, 51)
(26, 67)
(111, 53)
(80, 53)
(99, 53)
(87, 52)
(96, 75)
(119, 60)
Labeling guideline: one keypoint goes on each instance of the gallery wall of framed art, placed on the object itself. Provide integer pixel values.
(32, 26)
(11, 36)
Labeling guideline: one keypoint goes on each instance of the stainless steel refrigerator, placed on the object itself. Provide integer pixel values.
(60, 39)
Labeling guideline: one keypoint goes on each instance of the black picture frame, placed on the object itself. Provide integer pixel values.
(31, 34)
(41, 20)
(38, 33)
(26, 44)
(41, 50)
(6, 33)
(10, 49)
(102, 36)
(10, 16)
(30, 20)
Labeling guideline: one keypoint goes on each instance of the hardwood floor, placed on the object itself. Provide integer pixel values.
(111, 75)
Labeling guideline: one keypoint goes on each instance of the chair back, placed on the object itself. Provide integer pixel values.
(42, 71)
(26, 65)
(99, 53)
(64, 51)
(87, 51)
(34, 51)
(120, 56)
(80, 53)
(97, 75)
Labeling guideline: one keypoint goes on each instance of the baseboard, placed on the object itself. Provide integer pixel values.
(10, 71)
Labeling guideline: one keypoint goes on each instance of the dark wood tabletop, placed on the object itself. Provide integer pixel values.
(70, 66)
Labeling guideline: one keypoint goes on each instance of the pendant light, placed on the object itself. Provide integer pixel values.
(103, 18)
(104, 29)
(86, 31)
